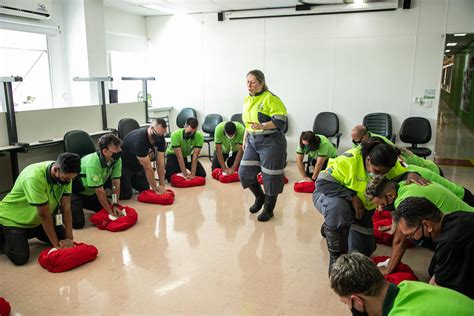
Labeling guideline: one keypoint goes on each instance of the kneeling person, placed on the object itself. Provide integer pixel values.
(361, 286)
(185, 142)
(228, 137)
(41, 190)
(319, 149)
(96, 171)
(451, 265)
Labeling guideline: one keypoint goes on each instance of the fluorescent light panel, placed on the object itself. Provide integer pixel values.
(460, 34)
(451, 44)
(159, 8)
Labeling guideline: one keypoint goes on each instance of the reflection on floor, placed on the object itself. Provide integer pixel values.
(453, 139)
(203, 255)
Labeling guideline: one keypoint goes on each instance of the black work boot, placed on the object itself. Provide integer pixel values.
(337, 241)
(259, 198)
(267, 213)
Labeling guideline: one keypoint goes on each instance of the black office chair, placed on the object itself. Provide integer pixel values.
(125, 126)
(183, 115)
(78, 142)
(237, 118)
(416, 130)
(209, 126)
(327, 124)
(379, 123)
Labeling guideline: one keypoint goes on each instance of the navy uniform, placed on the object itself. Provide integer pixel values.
(265, 151)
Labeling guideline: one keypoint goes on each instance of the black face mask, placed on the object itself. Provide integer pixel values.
(117, 156)
(156, 138)
(356, 143)
(188, 135)
(61, 182)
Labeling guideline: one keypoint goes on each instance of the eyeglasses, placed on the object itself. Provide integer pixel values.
(412, 234)
(154, 130)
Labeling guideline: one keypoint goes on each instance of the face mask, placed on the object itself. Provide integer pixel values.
(188, 135)
(156, 138)
(61, 182)
(117, 156)
(356, 143)
(419, 242)
(371, 174)
(355, 312)
(230, 137)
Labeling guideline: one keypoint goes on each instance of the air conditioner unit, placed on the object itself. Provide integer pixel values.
(31, 9)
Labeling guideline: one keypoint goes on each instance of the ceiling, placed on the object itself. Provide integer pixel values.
(200, 6)
(462, 42)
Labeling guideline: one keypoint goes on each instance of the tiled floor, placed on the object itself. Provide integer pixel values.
(205, 254)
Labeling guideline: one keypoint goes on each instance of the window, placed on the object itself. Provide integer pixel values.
(124, 64)
(26, 55)
(446, 77)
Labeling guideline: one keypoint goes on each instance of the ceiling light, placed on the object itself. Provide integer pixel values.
(451, 44)
(359, 2)
(447, 51)
(460, 34)
(160, 8)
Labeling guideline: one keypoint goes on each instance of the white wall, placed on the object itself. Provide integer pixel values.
(351, 64)
(125, 32)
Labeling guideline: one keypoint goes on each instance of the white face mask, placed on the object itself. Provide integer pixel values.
(230, 137)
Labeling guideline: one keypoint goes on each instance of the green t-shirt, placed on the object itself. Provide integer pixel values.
(187, 145)
(266, 103)
(95, 171)
(326, 149)
(412, 298)
(457, 189)
(412, 159)
(349, 171)
(440, 196)
(229, 145)
(34, 187)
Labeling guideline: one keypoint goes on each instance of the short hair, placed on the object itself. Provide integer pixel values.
(192, 122)
(160, 121)
(378, 186)
(355, 273)
(68, 163)
(108, 139)
(416, 209)
(230, 128)
(380, 153)
(260, 76)
(314, 141)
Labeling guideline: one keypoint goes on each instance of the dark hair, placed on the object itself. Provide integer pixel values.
(260, 77)
(355, 273)
(109, 139)
(313, 140)
(230, 128)
(378, 186)
(69, 163)
(161, 122)
(416, 209)
(192, 122)
(380, 153)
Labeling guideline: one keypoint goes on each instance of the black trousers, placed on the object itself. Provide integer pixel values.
(132, 180)
(172, 167)
(14, 241)
(78, 204)
(228, 161)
